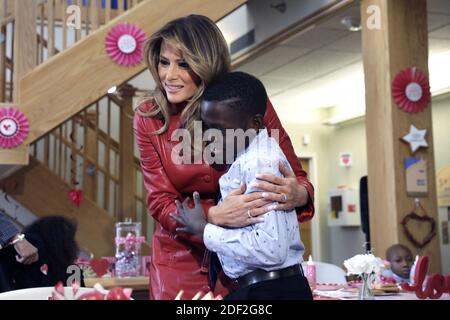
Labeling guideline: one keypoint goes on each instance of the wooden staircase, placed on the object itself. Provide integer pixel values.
(56, 87)
(71, 80)
(44, 193)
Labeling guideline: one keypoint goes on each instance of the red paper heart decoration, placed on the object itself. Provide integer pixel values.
(76, 196)
(44, 268)
(414, 216)
(118, 293)
(100, 266)
(94, 295)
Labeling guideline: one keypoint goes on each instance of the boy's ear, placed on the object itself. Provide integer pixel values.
(257, 122)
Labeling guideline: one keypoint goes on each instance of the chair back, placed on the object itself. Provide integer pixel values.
(327, 273)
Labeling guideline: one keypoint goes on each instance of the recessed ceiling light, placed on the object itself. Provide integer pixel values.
(352, 23)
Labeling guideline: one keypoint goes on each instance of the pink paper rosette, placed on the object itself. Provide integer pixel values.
(411, 90)
(124, 44)
(14, 127)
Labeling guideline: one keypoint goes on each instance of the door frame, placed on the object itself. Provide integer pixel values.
(316, 243)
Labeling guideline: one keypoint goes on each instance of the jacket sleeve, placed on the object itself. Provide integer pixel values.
(272, 121)
(161, 194)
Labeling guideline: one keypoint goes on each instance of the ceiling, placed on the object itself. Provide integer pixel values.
(322, 66)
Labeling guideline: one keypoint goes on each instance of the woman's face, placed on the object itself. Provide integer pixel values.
(177, 78)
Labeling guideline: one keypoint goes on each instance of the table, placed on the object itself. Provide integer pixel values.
(399, 296)
(409, 296)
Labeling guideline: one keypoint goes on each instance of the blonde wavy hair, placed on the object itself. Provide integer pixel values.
(204, 49)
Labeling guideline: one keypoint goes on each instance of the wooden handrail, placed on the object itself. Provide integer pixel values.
(71, 92)
(4, 21)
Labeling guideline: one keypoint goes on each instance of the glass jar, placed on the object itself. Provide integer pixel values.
(128, 249)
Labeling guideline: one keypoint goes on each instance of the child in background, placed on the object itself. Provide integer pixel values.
(54, 236)
(400, 260)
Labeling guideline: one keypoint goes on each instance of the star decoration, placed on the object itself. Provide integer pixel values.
(416, 138)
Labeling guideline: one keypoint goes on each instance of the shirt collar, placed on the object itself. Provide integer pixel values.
(261, 136)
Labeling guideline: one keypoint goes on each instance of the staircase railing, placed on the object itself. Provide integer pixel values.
(53, 34)
(6, 47)
(88, 153)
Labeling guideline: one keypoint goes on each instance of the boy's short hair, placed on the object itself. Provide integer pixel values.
(390, 251)
(240, 91)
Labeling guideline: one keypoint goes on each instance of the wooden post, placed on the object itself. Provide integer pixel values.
(3, 52)
(400, 42)
(127, 204)
(24, 40)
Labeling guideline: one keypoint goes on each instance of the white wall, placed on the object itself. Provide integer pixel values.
(350, 138)
(338, 243)
(318, 151)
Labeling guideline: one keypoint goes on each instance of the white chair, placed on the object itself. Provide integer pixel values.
(327, 273)
(40, 293)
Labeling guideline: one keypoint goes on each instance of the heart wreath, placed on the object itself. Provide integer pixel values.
(414, 216)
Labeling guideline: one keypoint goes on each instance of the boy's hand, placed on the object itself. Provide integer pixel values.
(193, 219)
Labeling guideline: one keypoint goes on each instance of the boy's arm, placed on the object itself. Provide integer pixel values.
(261, 245)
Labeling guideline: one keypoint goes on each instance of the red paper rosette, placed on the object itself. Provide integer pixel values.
(124, 44)
(14, 127)
(411, 90)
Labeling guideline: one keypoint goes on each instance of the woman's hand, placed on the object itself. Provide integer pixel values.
(286, 191)
(239, 209)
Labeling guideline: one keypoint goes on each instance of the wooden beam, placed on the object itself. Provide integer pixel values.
(16, 156)
(65, 84)
(401, 42)
(24, 41)
(127, 203)
(3, 58)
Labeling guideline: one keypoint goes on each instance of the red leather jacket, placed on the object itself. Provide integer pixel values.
(177, 258)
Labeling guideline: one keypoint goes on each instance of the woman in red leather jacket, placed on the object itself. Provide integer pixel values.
(183, 57)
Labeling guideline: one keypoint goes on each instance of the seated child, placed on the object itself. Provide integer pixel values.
(400, 260)
(264, 258)
(54, 236)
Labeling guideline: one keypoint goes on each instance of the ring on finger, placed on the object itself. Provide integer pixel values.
(283, 197)
(249, 214)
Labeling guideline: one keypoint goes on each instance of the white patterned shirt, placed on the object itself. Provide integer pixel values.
(270, 245)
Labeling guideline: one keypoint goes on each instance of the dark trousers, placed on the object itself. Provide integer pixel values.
(290, 288)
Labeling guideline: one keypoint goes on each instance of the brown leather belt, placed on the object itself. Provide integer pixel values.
(261, 275)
